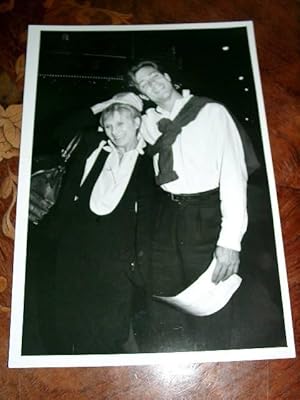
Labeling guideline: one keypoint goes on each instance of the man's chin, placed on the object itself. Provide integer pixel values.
(161, 96)
(118, 142)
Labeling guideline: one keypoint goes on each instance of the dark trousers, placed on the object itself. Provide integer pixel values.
(184, 241)
(185, 238)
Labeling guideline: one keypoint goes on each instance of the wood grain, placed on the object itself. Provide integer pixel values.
(277, 37)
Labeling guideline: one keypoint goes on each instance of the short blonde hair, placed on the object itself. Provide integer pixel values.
(119, 107)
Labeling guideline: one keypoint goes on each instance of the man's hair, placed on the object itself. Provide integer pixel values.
(118, 107)
(130, 77)
(141, 64)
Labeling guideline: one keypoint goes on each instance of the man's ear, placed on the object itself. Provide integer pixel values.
(137, 122)
(144, 97)
(167, 76)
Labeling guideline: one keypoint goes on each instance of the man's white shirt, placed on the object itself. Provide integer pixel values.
(207, 154)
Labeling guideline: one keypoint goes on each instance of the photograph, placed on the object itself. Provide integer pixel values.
(147, 222)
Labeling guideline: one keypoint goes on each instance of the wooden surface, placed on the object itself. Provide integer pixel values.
(277, 37)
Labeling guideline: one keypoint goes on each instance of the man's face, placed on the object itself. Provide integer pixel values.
(152, 83)
(121, 128)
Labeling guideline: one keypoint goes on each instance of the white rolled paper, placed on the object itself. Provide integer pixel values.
(203, 297)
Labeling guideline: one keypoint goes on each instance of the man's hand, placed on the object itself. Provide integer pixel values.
(38, 207)
(228, 261)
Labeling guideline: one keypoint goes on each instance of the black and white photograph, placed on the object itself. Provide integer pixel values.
(147, 225)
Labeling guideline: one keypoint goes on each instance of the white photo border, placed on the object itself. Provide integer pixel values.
(16, 359)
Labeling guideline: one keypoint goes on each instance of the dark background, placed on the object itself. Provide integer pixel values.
(79, 69)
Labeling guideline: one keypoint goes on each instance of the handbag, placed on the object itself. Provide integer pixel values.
(47, 183)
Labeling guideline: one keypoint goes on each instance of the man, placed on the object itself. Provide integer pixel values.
(199, 163)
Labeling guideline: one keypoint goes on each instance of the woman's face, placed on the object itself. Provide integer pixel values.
(121, 128)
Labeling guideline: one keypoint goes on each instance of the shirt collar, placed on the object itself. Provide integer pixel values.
(110, 148)
(179, 103)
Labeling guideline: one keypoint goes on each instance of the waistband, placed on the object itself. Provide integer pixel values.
(180, 198)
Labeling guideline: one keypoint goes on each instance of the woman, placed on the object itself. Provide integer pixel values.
(102, 234)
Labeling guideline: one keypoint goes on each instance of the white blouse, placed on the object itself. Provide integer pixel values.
(114, 177)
